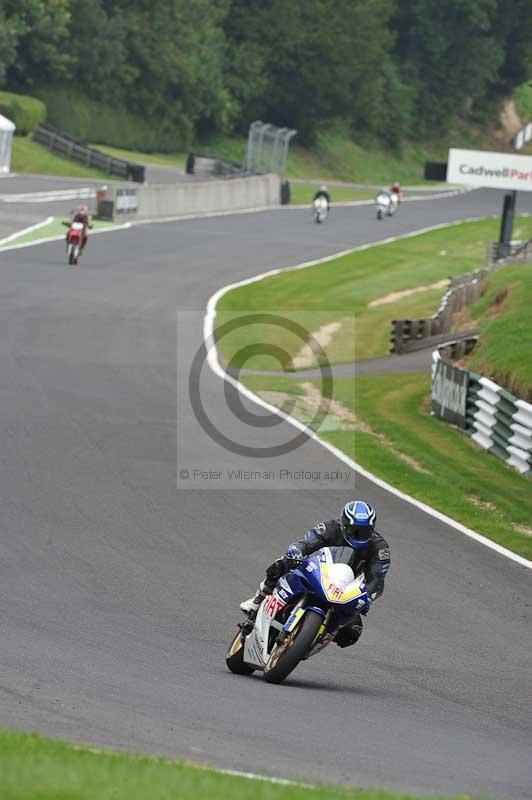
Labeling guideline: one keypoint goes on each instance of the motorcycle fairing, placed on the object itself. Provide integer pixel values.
(75, 232)
(333, 582)
(322, 577)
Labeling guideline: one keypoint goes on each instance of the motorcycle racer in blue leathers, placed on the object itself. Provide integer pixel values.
(370, 555)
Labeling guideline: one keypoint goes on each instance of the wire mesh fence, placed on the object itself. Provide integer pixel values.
(267, 148)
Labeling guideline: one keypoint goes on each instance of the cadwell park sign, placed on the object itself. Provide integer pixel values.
(490, 170)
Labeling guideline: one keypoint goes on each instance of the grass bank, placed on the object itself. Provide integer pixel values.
(384, 424)
(160, 159)
(346, 290)
(504, 352)
(29, 157)
(33, 767)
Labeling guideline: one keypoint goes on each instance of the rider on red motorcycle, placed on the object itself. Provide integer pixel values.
(82, 215)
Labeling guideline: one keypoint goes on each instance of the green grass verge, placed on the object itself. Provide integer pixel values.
(50, 231)
(161, 159)
(302, 193)
(523, 101)
(342, 289)
(35, 768)
(396, 438)
(29, 157)
(504, 352)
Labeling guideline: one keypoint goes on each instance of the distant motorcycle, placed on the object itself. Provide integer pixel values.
(74, 241)
(386, 204)
(308, 607)
(320, 208)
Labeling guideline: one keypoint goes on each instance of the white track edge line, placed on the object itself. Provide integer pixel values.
(215, 365)
(234, 773)
(24, 231)
(60, 237)
(238, 212)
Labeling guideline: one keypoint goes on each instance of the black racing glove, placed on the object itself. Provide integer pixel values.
(277, 569)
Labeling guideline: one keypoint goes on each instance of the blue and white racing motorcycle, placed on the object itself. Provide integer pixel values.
(308, 607)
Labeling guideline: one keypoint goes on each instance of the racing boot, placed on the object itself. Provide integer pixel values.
(251, 606)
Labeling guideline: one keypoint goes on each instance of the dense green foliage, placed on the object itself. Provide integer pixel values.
(26, 112)
(196, 68)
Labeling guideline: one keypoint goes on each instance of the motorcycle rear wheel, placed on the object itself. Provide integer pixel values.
(235, 657)
(286, 656)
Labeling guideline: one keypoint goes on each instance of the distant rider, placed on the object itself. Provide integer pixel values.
(396, 189)
(82, 215)
(371, 554)
(322, 192)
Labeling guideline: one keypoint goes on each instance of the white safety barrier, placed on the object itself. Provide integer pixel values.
(495, 419)
(175, 200)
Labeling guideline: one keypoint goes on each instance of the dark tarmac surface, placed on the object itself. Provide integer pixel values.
(119, 592)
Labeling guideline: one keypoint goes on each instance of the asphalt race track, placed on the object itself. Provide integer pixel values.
(119, 592)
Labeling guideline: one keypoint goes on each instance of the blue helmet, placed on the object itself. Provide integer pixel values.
(358, 523)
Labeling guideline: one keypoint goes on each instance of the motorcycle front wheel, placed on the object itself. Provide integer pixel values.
(235, 657)
(286, 656)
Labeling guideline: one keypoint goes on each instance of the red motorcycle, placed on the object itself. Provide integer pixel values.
(75, 238)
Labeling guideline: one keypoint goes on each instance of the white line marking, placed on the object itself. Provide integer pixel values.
(215, 365)
(267, 778)
(51, 196)
(255, 210)
(24, 231)
(61, 237)
(235, 773)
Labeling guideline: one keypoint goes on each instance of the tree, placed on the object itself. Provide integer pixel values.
(320, 59)
(8, 43)
(40, 30)
(449, 53)
(513, 28)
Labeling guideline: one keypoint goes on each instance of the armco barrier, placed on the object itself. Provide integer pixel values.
(67, 146)
(463, 290)
(495, 419)
(520, 253)
(175, 200)
(198, 164)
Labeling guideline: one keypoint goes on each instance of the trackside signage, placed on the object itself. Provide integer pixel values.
(449, 392)
(491, 170)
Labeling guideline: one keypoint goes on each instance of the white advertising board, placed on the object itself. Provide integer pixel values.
(491, 170)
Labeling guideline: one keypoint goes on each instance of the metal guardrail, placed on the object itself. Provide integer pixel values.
(67, 146)
(463, 290)
(515, 253)
(455, 349)
(495, 419)
(199, 164)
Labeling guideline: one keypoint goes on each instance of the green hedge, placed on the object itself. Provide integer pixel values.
(523, 101)
(93, 121)
(26, 112)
